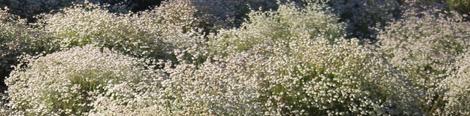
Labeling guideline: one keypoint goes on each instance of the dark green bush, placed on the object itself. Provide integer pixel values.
(462, 6)
(364, 16)
(30, 8)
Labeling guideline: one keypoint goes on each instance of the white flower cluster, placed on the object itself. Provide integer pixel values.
(459, 88)
(425, 48)
(286, 24)
(288, 66)
(314, 79)
(148, 34)
(69, 82)
(15, 39)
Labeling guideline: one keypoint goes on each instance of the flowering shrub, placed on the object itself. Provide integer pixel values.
(313, 78)
(95, 25)
(339, 79)
(458, 86)
(286, 24)
(459, 5)
(277, 64)
(17, 38)
(211, 89)
(147, 35)
(425, 48)
(307, 77)
(291, 60)
(68, 82)
(308, 72)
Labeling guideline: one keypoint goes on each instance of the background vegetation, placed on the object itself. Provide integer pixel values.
(235, 57)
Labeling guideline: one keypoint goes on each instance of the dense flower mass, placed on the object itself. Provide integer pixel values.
(287, 24)
(150, 34)
(104, 29)
(67, 82)
(457, 97)
(235, 57)
(17, 38)
(426, 48)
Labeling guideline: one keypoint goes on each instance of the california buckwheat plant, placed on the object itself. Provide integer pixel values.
(235, 57)
(308, 77)
(286, 24)
(16, 38)
(68, 82)
(425, 48)
(304, 59)
(149, 34)
(250, 83)
(458, 87)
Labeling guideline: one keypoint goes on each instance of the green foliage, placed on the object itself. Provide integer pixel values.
(459, 5)
(364, 16)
